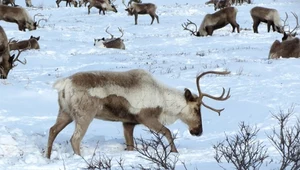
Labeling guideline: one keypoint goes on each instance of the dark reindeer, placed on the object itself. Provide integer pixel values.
(290, 45)
(102, 5)
(110, 42)
(7, 61)
(142, 9)
(266, 15)
(68, 2)
(18, 15)
(132, 97)
(32, 42)
(214, 21)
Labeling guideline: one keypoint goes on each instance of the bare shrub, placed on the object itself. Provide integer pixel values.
(242, 150)
(156, 151)
(286, 140)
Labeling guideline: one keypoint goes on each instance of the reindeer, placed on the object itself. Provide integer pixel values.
(9, 2)
(68, 2)
(110, 42)
(214, 21)
(7, 61)
(132, 97)
(102, 5)
(266, 15)
(18, 15)
(222, 4)
(142, 8)
(32, 42)
(290, 45)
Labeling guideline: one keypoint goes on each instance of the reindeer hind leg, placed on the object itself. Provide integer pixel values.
(63, 119)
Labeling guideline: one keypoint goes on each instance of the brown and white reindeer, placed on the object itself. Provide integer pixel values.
(102, 5)
(266, 15)
(7, 61)
(214, 21)
(290, 45)
(111, 42)
(18, 15)
(132, 97)
(32, 42)
(68, 2)
(142, 9)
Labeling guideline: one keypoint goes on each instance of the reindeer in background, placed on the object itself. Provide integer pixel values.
(7, 61)
(102, 5)
(110, 42)
(214, 21)
(290, 45)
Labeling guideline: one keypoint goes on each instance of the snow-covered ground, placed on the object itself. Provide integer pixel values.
(259, 87)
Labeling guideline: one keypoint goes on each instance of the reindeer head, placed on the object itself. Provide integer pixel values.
(288, 35)
(191, 115)
(9, 63)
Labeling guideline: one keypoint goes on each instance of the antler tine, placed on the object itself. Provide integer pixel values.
(123, 2)
(185, 26)
(213, 109)
(219, 98)
(19, 52)
(297, 22)
(122, 31)
(284, 21)
(38, 14)
(108, 32)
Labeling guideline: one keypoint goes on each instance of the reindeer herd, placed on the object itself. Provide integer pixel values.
(134, 97)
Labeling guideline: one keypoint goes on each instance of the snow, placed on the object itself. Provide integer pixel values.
(259, 87)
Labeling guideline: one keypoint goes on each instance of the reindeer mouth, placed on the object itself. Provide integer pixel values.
(196, 132)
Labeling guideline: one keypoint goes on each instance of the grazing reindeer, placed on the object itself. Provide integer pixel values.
(266, 15)
(142, 8)
(32, 42)
(18, 15)
(132, 97)
(215, 21)
(68, 2)
(290, 45)
(102, 5)
(7, 62)
(110, 42)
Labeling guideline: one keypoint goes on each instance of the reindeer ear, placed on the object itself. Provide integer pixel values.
(188, 95)
(38, 38)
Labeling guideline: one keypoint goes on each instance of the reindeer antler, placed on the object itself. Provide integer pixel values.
(38, 14)
(122, 31)
(219, 98)
(19, 52)
(108, 32)
(186, 25)
(123, 2)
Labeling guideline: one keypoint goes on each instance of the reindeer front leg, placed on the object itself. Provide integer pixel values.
(128, 134)
(135, 18)
(149, 118)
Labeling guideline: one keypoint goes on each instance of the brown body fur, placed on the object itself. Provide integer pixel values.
(132, 97)
(142, 8)
(32, 42)
(102, 5)
(266, 15)
(5, 58)
(285, 49)
(17, 15)
(219, 20)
